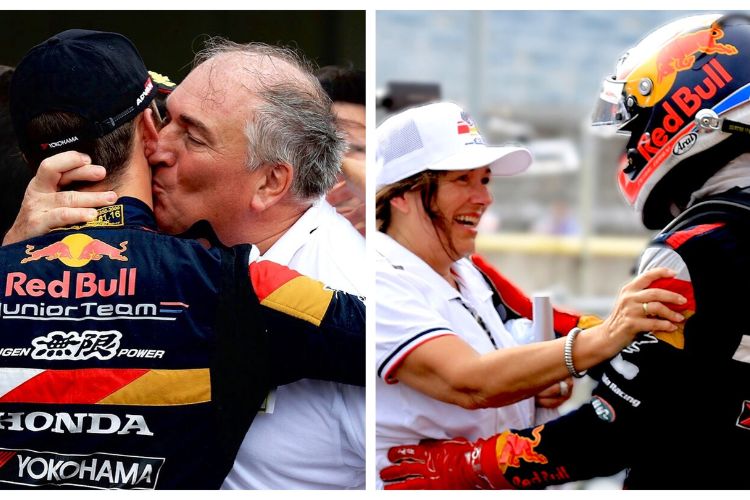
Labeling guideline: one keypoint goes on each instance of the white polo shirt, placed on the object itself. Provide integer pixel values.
(414, 305)
(315, 437)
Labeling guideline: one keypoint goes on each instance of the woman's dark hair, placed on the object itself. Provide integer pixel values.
(426, 183)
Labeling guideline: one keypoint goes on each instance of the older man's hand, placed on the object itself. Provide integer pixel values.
(45, 207)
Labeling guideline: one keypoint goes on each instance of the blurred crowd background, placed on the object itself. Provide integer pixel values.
(532, 78)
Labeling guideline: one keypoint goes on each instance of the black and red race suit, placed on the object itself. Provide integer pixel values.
(673, 409)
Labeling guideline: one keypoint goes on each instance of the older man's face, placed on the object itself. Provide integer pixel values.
(199, 165)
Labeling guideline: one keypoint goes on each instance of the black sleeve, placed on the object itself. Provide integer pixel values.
(314, 331)
(620, 424)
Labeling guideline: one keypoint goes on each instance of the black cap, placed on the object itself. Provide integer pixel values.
(99, 76)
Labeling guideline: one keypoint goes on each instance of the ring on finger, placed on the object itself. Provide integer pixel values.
(645, 308)
(564, 388)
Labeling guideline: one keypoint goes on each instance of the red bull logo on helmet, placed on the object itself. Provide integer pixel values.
(679, 51)
(672, 136)
(76, 250)
(679, 54)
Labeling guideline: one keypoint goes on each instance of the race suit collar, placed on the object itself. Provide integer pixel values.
(135, 211)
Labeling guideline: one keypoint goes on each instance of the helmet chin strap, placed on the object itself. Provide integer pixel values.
(707, 119)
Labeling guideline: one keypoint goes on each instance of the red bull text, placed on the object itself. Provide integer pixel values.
(681, 106)
(75, 285)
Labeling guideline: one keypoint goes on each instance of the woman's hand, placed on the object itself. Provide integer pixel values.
(45, 207)
(555, 395)
(642, 309)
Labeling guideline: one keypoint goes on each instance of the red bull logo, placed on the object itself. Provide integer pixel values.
(511, 448)
(76, 250)
(671, 137)
(679, 54)
(542, 478)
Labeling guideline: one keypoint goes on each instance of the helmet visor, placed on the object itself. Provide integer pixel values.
(610, 107)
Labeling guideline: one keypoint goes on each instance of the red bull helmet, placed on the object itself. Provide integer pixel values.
(679, 93)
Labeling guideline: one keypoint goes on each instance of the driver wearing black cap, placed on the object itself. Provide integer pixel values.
(128, 358)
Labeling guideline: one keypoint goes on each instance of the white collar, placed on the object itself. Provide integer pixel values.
(397, 256)
(298, 234)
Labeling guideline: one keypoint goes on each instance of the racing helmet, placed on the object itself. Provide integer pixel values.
(679, 93)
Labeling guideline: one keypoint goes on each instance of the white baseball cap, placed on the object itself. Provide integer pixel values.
(439, 136)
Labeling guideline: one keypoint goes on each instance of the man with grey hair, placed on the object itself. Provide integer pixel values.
(250, 145)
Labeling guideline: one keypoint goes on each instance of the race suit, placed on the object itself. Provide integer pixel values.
(136, 360)
(673, 409)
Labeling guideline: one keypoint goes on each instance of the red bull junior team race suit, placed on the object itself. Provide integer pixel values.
(672, 408)
(133, 359)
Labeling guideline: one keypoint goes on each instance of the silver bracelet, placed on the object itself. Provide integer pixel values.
(568, 353)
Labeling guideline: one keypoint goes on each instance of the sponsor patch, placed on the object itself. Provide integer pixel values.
(163, 311)
(63, 142)
(74, 423)
(680, 53)
(685, 144)
(97, 470)
(113, 216)
(543, 477)
(147, 87)
(634, 402)
(13, 352)
(513, 448)
(467, 126)
(74, 346)
(75, 285)
(76, 250)
(603, 409)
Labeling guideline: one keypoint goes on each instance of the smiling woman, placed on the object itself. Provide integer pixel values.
(448, 363)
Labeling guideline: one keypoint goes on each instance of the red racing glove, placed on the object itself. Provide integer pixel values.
(518, 301)
(454, 464)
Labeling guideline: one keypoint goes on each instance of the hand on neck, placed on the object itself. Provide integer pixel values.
(133, 181)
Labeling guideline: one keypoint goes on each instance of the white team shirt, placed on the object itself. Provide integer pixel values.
(315, 437)
(415, 305)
